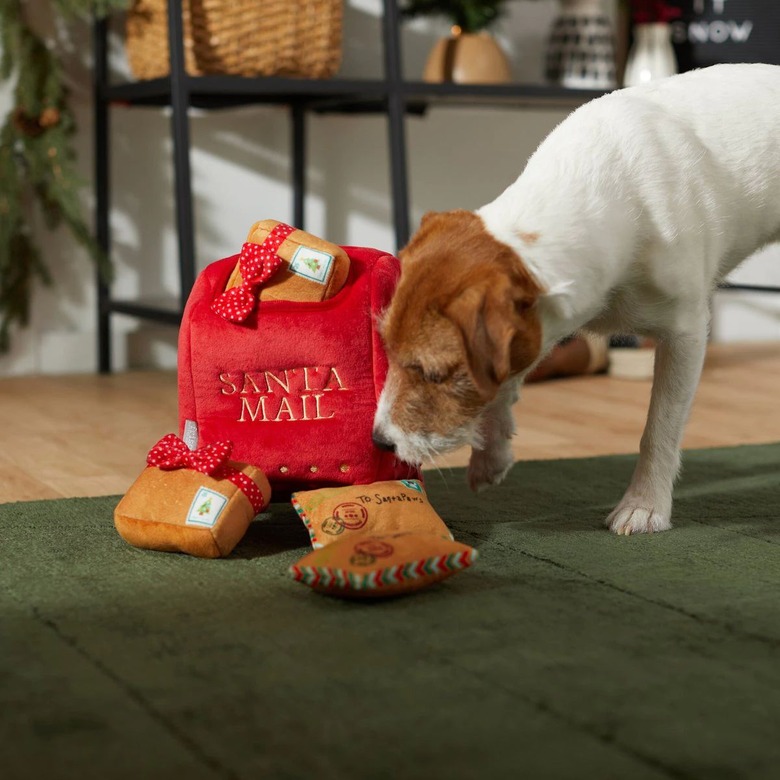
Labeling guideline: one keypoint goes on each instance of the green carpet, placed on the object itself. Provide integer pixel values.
(566, 652)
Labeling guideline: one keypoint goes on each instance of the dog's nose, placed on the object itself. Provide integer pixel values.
(382, 443)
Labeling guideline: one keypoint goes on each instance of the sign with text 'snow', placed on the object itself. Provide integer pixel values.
(712, 31)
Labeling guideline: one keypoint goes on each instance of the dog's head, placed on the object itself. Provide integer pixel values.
(461, 322)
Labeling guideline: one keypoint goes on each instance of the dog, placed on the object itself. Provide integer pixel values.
(623, 221)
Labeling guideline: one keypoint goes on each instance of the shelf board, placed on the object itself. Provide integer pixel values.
(225, 91)
(760, 288)
(343, 95)
(167, 310)
(541, 95)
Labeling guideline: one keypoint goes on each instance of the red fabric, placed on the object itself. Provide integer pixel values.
(295, 386)
(654, 12)
(172, 453)
(246, 485)
(257, 264)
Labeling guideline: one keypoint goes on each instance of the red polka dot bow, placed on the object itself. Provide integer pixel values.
(257, 264)
(172, 453)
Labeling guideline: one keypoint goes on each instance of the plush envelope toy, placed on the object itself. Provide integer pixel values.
(197, 502)
(375, 540)
(376, 566)
(332, 514)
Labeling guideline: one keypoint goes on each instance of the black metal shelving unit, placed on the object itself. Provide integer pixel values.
(392, 95)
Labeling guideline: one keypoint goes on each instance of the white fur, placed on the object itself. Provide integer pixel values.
(643, 200)
(492, 457)
(417, 447)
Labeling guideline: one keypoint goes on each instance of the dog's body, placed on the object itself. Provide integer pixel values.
(623, 221)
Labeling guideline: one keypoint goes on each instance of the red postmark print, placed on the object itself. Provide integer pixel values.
(375, 547)
(351, 515)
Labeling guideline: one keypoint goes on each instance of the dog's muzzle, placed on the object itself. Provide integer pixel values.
(380, 442)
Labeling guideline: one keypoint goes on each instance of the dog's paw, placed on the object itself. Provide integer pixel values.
(489, 467)
(634, 516)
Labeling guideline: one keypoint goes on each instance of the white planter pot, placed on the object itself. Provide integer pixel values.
(652, 55)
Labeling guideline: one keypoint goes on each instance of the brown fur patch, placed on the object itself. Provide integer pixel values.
(461, 322)
(528, 238)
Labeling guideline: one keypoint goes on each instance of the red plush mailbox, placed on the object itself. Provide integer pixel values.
(293, 384)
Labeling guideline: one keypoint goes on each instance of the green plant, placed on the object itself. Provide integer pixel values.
(37, 159)
(469, 15)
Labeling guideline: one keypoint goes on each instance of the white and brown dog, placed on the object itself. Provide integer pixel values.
(623, 221)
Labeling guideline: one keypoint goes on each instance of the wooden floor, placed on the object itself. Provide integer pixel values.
(88, 435)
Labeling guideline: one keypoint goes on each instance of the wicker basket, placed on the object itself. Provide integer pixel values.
(239, 37)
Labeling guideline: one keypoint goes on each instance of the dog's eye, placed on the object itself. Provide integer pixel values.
(427, 376)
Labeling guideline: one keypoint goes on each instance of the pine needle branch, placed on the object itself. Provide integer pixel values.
(37, 159)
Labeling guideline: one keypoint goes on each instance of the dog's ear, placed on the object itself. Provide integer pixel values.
(406, 254)
(489, 317)
(499, 329)
(427, 218)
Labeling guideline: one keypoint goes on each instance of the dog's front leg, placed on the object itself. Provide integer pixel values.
(492, 459)
(647, 504)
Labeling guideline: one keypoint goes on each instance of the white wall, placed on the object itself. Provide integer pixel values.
(750, 316)
(240, 170)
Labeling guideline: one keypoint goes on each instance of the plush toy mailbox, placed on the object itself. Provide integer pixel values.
(279, 354)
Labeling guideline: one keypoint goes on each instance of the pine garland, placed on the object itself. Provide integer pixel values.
(37, 159)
